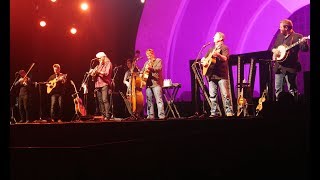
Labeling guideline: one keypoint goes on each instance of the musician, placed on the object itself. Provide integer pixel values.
(127, 80)
(101, 75)
(137, 55)
(290, 66)
(218, 75)
(57, 93)
(128, 75)
(154, 81)
(24, 83)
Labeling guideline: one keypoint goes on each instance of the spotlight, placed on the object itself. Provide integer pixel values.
(53, 1)
(142, 1)
(84, 6)
(43, 23)
(73, 30)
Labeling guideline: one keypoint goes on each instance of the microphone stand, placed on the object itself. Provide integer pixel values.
(85, 83)
(115, 70)
(13, 119)
(199, 79)
(40, 97)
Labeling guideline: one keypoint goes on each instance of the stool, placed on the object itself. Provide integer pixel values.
(170, 93)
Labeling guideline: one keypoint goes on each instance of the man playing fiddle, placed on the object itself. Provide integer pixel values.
(24, 84)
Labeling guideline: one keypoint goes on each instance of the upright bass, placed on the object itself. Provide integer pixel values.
(135, 97)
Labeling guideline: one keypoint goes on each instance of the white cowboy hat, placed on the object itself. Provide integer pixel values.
(100, 55)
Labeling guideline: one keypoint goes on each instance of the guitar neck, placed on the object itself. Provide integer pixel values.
(75, 89)
(251, 71)
(296, 43)
(239, 74)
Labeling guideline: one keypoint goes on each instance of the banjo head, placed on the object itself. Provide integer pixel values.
(283, 51)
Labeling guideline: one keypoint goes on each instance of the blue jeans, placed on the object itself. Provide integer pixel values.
(103, 98)
(56, 106)
(157, 93)
(226, 96)
(291, 80)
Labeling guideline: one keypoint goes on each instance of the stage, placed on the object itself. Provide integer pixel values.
(271, 145)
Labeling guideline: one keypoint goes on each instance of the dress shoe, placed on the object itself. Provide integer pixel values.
(150, 117)
(59, 121)
(213, 115)
(229, 114)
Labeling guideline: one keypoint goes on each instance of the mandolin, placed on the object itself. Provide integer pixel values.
(78, 105)
(261, 100)
(242, 103)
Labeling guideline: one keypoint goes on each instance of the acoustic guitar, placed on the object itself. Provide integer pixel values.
(145, 74)
(208, 61)
(284, 50)
(53, 83)
(78, 105)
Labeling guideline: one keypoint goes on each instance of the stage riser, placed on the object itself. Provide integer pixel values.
(234, 148)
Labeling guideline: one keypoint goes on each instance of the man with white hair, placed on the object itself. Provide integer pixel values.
(101, 75)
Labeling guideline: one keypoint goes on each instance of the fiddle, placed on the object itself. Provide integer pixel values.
(25, 80)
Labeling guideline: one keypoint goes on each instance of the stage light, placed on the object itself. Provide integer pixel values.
(73, 30)
(142, 1)
(84, 6)
(43, 23)
(53, 0)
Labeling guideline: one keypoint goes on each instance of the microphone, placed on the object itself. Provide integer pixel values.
(117, 67)
(94, 59)
(208, 43)
(138, 58)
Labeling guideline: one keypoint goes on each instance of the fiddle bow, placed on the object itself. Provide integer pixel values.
(25, 78)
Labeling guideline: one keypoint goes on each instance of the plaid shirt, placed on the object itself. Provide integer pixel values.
(104, 76)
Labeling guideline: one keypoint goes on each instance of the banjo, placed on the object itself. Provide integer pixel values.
(284, 50)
